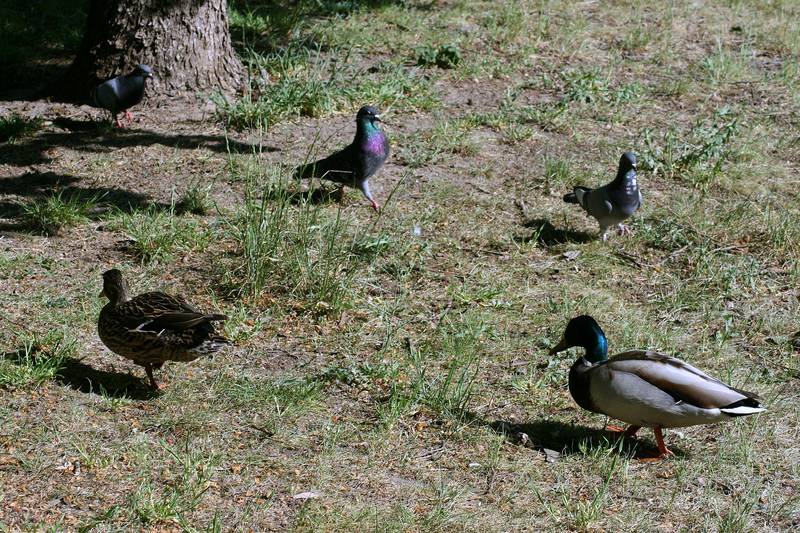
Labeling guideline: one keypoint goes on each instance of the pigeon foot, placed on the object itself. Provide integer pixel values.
(622, 229)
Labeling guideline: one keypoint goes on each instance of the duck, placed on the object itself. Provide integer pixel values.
(154, 327)
(645, 388)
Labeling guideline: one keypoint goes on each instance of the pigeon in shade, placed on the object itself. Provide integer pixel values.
(119, 94)
(646, 388)
(613, 203)
(353, 165)
(154, 327)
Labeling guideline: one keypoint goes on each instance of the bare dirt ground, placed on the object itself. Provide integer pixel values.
(425, 400)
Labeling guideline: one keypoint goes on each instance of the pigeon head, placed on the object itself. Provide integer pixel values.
(115, 288)
(584, 331)
(369, 114)
(143, 70)
(627, 162)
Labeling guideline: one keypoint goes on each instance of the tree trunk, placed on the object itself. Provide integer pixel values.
(185, 42)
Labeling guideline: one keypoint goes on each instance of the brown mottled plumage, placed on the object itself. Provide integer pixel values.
(154, 327)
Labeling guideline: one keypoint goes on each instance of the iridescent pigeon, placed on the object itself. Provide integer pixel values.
(613, 203)
(354, 164)
(121, 93)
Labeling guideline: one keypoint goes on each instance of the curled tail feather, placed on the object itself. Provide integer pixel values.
(744, 407)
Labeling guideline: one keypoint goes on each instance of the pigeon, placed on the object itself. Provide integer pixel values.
(612, 203)
(121, 93)
(354, 164)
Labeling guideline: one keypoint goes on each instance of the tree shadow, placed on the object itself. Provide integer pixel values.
(546, 234)
(38, 185)
(39, 40)
(89, 380)
(88, 136)
(570, 439)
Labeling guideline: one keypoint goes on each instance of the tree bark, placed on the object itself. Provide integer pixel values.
(185, 42)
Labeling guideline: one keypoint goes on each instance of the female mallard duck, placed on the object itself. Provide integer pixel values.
(154, 327)
(645, 388)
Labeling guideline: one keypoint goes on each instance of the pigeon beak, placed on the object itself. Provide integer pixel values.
(377, 117)
(560, 347)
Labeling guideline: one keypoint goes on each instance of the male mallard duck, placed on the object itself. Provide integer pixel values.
(645, 388)
(154, 327)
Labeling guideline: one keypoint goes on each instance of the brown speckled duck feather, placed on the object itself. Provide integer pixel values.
(155, 327)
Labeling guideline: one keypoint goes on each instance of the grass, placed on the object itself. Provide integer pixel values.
(696, 156)
(157, 235)
(291, 83)
(54, 212)
(39, 359)
(396, 365)
(15, 127)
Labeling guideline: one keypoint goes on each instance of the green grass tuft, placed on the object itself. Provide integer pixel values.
(157, 235)
(444, 56)
(39, 359)
(50, 214)
(15, 127)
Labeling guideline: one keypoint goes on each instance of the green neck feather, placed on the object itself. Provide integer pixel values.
(596, 347)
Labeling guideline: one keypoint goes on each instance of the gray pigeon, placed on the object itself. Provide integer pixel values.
(353, 165)
(612, 203)
(121, 93)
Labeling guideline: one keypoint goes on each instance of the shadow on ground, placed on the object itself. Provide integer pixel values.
(546, 234)
(572, 439)
(38, 185)
(89, 380)
(88, 136)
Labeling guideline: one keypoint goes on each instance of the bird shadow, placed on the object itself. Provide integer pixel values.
(84, 378)
(572, 439)
(89, 380)
(546, 234)
(312, 195)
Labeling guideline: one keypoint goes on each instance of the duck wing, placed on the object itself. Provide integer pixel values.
(157, 311)
(684, 382)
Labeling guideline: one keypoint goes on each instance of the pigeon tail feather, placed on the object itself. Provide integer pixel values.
(571, 198)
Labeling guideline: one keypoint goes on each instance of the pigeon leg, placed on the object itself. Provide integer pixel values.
(375, 206)
(117, 122)
(128, 116)
(622, 229)
(148, 368)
